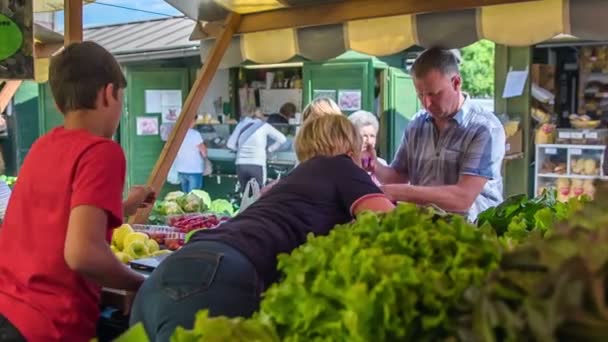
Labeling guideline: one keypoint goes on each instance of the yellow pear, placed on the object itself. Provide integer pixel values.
(123, 257)
(137, 249)
(119, 234)
(152, 246)
(161, 252)
(114, 249)
(134, 236)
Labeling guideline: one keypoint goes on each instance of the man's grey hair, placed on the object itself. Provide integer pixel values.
(363, 118)
(442, 60)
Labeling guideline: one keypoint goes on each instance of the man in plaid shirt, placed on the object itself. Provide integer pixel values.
(452, 151)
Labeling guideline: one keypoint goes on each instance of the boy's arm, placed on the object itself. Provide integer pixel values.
(96, 205)
(87, 252)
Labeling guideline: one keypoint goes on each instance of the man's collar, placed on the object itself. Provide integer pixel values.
(461, 115)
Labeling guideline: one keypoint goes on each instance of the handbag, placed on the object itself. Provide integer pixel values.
(208, 167)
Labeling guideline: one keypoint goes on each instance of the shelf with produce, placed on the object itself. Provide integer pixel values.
(568, 168)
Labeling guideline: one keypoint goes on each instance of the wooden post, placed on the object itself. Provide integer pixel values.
(195, 96)
(7, 93)
(72, 21)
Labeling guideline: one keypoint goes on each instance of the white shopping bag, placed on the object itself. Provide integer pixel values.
(250, 195)
(173, 176)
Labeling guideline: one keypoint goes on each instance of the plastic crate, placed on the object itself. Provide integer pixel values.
(157, 233)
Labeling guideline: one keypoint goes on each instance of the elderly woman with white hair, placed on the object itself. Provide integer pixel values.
(368, 126)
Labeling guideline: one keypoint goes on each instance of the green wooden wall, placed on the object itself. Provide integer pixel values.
(143, 151)
(517, 176)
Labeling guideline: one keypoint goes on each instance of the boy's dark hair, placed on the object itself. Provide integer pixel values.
(288, 109)
(78, 73)
(442, 60)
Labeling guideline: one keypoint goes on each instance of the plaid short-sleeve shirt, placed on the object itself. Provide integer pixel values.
(473, 144)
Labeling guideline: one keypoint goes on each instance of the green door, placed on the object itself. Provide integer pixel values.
(142, 151)
(402, 106)
(49, 116)
(337, 76)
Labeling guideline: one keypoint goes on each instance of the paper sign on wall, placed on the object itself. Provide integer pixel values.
(515, 83)
(166, 102)
(349, 100)
(147, 125)
(317, 93)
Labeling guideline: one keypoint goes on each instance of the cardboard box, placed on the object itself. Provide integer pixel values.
(544, 76)
(515, 143)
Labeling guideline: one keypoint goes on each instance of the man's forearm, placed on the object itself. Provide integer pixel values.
(388, 175)
(447, 197)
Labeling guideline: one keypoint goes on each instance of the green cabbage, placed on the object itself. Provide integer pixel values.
(172, 196)
(222, 206)
(204, 195)
(191, 203)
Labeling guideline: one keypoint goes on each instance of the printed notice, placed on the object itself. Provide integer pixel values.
(515, 83)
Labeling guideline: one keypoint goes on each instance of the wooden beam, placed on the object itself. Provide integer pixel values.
(195, 97)
(72, 21)
(46, 50)
(339, 12)
(7, 93)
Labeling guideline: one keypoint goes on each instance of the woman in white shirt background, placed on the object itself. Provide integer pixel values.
(250, 141)
(190, 160)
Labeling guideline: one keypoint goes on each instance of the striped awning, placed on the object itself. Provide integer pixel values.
(517, 24)
(51, 5)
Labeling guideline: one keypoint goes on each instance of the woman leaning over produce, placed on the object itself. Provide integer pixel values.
(226, 269)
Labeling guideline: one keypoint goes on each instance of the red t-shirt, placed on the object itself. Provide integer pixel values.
(39, 293)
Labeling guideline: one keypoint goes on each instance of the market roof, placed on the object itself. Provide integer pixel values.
(513, 24)
(151, 39)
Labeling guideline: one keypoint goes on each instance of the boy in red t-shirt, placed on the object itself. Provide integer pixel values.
(54, 240)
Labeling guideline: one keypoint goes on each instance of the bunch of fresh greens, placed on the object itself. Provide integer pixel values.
(551, 288)
(386, 277)
(222, 329)
(516, 217)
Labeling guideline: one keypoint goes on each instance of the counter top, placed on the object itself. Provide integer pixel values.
(278, 158)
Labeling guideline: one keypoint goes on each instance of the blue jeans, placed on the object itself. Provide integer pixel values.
(201, 275)
(190, 181)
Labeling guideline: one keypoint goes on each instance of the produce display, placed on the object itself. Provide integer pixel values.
(529, 270)
(548, 289)
(128, 244)
(190, 222)
(517, 217)
(198, 201)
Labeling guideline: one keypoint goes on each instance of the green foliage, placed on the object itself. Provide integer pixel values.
(382, 278)
(477, 69)
(517, 217)
(548, 289)
(222, 329)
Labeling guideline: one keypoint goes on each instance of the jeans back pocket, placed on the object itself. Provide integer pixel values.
(190, 273)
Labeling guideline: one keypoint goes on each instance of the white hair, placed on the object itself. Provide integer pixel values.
(363, 118)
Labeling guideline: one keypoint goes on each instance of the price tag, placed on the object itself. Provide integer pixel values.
(551, 151)
(576, 135)
(576, 151)
(591, 135)
(564, 135)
